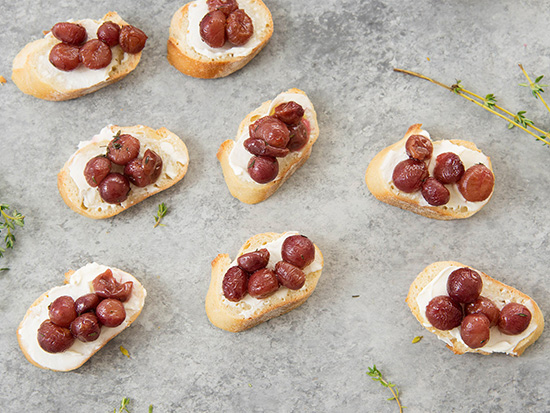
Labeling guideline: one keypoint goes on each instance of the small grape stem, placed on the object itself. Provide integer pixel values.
(531, 85)
(464, 93)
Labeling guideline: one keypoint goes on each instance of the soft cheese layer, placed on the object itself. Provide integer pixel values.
(249, 305)
(498, 342)
(79, 284)
(239, 156)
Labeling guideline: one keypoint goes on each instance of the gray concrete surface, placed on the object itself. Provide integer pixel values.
(315, 358)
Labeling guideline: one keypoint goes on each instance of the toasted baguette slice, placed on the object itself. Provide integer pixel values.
(498, 292)
(85, 200)
(191, 56)
(35, 75)
(242, 186)
(250, 312)
(77, 284)
(383, 189)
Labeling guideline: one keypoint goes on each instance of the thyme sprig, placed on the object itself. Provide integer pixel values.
(376, 375)
(10, 222)
(162, 210)
(489, 103)
(123, 406)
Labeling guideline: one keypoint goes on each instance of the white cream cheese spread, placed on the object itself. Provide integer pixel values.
(498, 342)
(468, 157)
(91, 199)
(80, 283)
(249, 305)
(198, 9)
(239, 156)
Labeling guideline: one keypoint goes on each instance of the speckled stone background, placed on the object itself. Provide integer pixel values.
(315, 358)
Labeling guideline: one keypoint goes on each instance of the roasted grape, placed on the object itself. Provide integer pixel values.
(409, 174)
(105, 286)
(262, 283)
(477, 183)
(86, 327)
(434, 192)
(96, 170)
(298, 250)
(444, 313)
(110, 312)
(257, 146)
(62, 311)
(514, 319)
(290, 113)
(448, 168)
(53, 338)
(271, 130)
(109, 33)
(235, 284)
(298, 137)
(289, 275)
(131, 39)
(475, 331)
(263, 169)
(239, 27)
(464, 285)
(486, 307)
(419, 147)
(254, 261)
(145, 171)
(69, 33)
(65, 57)
(86, 303)
(114, 188)
(95, 54)
(122, 149)
(225, 6)
(212, 29)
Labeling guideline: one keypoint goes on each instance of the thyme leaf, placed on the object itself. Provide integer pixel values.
(417, 339)
(162, 210)
(11, 219)
(376, 375)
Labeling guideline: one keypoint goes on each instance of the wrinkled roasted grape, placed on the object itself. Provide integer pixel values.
(131, 39)
(109, 33)
(514, 319)
(239, 27)
(122, 149)
(86, 303)
(62, 311)
(486, 307)
(114, 188)
(253, 261)
(212, 29)
(144, 171)
(69, 33)
(448, 168)
(96, 170)
(409, 174)
(65, 57)
(464, 285)
(263, 169)
(474, 330)
(257, 146)
(105, 286)
(235, 284)
(225, 6)
(262, 283)
(86, 327)
(419, 147)
(53, 338)
(298, 250)
(444, 313)
(298, 137)
(434, 192)
(290, 113)
(110, 312)
(477, 183)
(289, 275)
(95, 54)
(271, 130)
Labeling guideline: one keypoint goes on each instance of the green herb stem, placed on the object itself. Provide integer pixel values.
(376, 375)
(535, 90)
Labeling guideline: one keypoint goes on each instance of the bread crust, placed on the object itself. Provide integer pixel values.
(137, 289)
(29, 80)
(489, 284)
(230, 319)
(252, 192)
(184, 58)
(383, 192)
(71, 195)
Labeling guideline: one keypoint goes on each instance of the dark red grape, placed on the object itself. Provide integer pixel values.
(289, 275)
(254, 261)
(262, 283)
(96, 170)
(434, 192)
(105, 286)
(65, 57)
(271, 130)
(514, 319)
(95, 54)
(110, 312)
(448, 168)
(464, 285)
(474, 330)
(70, 33)
(144, 171)
(114, 189)
(477, 183)
(486, 307)
(122, 149)
(298, 137)
(212, 29)
(62, 311)
(132, 40)
(225, 6)
(298, 250)
(444, 313)
(109, 33)
(409, 174)
(235, 284)
(86, 303)
(53, 338)
(259, 147)
(290, 113)
(263, 169)
(86, 327)
(419, 147)
(239, 27)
